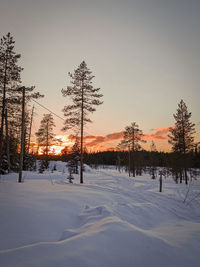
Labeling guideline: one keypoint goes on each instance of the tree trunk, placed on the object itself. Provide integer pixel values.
(3, 110)
(81, 162)
(181, 177)
(119, 163)
(29, 138)
(133, 150)
(129, 162)
(160, 182)
(47, 140)
(7, 141)
(186, 178)
(133, 163)
(22, 136)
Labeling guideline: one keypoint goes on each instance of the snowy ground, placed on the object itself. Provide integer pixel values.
(110, 220)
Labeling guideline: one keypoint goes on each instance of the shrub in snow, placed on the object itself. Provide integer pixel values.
(70, 176)
(29, 162)
(4, 165)
(54, 168)
(43, 165)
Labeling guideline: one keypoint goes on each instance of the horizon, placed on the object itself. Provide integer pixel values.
(101, 143)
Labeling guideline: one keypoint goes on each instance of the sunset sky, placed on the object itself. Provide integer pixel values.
(145, 56)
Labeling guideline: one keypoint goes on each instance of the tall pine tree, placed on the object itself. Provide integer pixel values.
(84, 97)
(9, 78)
(181, 136)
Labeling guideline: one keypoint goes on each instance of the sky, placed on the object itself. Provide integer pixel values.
(145, 56)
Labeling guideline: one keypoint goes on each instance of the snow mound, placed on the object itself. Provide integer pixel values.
(94, 213)
(89, 222)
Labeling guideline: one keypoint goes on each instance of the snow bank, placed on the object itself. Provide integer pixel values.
(110, 220)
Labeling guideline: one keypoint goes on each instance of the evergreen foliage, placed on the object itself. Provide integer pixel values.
(74, 157)
(70, 175)
(45, 133)
(11, 104)
(9, 79)
(85, 98)
(132, 138)
(181, 136)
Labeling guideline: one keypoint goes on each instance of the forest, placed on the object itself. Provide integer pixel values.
(16, 129)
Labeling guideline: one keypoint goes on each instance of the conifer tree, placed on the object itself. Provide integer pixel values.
(85, 98)
(181, 136)
(9, 78)
(132, 138)
(74, 156)
(45, 133)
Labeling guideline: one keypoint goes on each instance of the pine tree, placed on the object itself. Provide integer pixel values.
(11, 101)
(74, 156)
(42, 165)
(45, 133)
(132, 138)
(181, 136)
(84, 97)
(9, 78)
(70, 171)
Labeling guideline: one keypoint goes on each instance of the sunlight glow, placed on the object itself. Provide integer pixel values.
(60, 143)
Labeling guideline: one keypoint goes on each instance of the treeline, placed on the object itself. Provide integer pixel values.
(180, 167)
(13, 96)
(143, 159)
(152, 162)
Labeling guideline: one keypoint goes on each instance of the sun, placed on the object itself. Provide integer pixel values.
(60, 142)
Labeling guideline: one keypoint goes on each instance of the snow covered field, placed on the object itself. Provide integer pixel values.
(110, 220)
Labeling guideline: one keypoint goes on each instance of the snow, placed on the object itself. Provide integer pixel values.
(110, 220)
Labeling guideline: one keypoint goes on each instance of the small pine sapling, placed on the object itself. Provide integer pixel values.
(41, 166)
(70, 176)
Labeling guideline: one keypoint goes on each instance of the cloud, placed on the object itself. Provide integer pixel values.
(96, 140)
(110, 141)
(154, 137)
(160, 131)
(160, 134)
(114, 136)
(103, 142)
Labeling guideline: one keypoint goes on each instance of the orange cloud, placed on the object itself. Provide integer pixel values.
(117, 135)
(94, 140)
(103, 142)
(109, 141)
(154, 137)
(160, 134)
